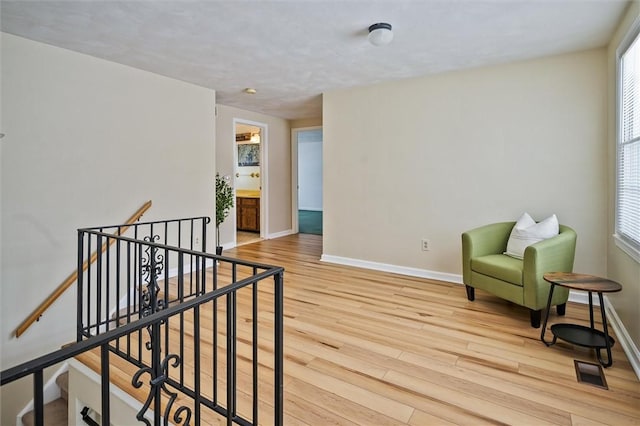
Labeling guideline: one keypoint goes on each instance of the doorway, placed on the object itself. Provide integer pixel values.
(249, 166)
(307, 180)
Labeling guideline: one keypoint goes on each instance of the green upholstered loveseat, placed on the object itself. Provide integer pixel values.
(484, 266)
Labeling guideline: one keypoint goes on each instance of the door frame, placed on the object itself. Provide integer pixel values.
(264, 176)
(295, 226)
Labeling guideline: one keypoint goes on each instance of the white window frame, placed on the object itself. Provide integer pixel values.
(624, 243)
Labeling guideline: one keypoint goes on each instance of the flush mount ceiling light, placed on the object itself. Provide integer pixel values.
(380, 34)
(250, 91)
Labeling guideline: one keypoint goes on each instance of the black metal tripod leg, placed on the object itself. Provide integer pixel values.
(606, 336)
(546, 319)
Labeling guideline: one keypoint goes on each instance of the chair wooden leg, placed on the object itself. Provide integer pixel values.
(561, 309)
(471, 294)
(535, 318)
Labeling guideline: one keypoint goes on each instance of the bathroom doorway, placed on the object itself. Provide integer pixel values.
(249, 163)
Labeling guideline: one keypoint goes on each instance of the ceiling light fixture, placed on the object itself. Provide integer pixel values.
(250, 91)
(380, 34)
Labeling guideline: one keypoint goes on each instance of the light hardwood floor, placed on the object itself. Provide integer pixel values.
(370, 348)
(243, 237)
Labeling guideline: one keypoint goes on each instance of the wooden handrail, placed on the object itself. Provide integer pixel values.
(35, 315)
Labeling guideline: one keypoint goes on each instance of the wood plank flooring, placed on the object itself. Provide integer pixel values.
(244, 237)
(371, 348)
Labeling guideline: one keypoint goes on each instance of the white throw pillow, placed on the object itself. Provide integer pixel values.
(526, 232)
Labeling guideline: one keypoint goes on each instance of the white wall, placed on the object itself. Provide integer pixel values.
(245, 180)
(620, 266)
(85, 390)
(87, 142)
(432, 157)
(310, 170)
(278, 157)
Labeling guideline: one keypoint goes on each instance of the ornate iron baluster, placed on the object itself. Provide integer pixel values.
(159, 382)
(152, 267)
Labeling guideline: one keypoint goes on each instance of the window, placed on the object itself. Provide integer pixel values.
(628, 146)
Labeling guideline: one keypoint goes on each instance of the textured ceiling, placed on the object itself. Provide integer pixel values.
(293, 51)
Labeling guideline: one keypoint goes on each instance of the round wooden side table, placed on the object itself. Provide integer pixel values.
(577, 334)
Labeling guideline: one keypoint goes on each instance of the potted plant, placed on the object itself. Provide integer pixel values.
(224, 203)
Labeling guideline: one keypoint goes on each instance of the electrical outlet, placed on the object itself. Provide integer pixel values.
(426, 245)
(197, 241)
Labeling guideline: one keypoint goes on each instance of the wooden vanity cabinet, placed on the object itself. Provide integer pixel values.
(248, 214)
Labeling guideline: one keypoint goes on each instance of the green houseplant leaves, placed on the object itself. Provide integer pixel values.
(224, 202)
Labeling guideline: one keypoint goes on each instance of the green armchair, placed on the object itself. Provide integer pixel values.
(484, 266)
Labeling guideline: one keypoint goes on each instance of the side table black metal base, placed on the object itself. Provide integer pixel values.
(576, 334)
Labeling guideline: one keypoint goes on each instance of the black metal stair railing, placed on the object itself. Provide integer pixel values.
(117, 288)
(179, 314)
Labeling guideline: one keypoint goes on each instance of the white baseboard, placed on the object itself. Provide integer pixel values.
(385, 267)
(629, 347)
(582, 297)
(280, 234)
(230, 245)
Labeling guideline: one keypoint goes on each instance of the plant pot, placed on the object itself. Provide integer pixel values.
(219, 250)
